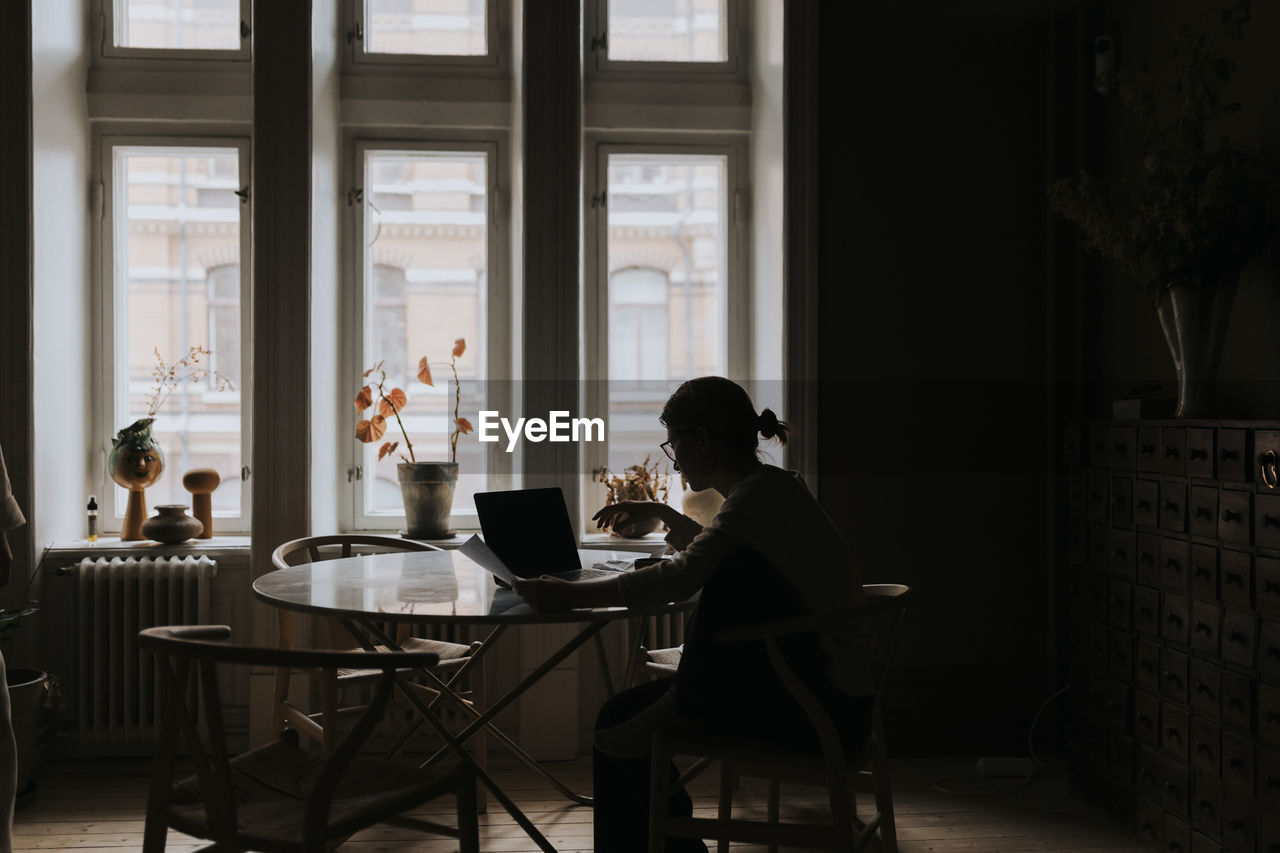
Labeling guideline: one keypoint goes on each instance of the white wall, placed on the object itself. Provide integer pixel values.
(62, 305)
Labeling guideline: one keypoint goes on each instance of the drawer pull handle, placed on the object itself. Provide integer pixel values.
(1173, 563)
(1145, 719)
(1143, 504)
(1270, 521)
(1205, 806)
(1203, 512)
(1234, 763)
(1273, 652)
(1170, 787)
(1272, 716)
(1230, 515)
(1236, 637)
(1144, 610)
(1146, 557)
(1119, 553)
(1174, 619)
(1229, 455)
(1203, 748)
(1172, 678)
(1272, 587)
(1172, 506)
(1203, 689)
(1171, 732)
(1148, 666)
(1267, 463)
(1203, 628)
(1232, 577)
(1273, 783)
(1202, 572)
(1120, 448)
(1235, 824)
(1146, 449)
(1236, 702)
(1170, 452)
(1197, 453)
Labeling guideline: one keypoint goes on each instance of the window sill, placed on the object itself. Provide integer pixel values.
(112, 546)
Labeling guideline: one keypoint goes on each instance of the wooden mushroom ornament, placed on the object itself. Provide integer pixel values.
(201, 482)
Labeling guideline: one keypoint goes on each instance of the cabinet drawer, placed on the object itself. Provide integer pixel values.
(1121, 655)
(1119, 705)
(1173, 506)
(1175, 557)
(1233, 463)
(1174, 676)
(1206, 804)
(1121, 759)
(1234, 516)
(1077, 531)
(1269, 714)
(1146, 503)
(1201, 843)
(1206, 745)
(1239, 822)
(1099, 547)
(1269, 832)
(1148, 774)
(1239, 637)
(1269, 777)
(1122, 451)
(1123, 558)
(1175, 787)
(1204, 572)
(1206, 688)
(1175, 730)
(1146, 717)
(1147, 457)
(1238, 763)
(1266, 521)
(1203, 511)
(1097, 649)
(1237, 701)
(1266, 455)
(1237, 578)
(1122, 500)
(1206, 622)
(1146, 609)
(1099, 595)
(1148, 824)
(1269, 650)
(1096, 500)
(1149, 558)
(1177, 835)
(1077, 494)
(1175, 623)
(1146, 672)
(1173, 450)
(1200, 453)
(1266, 584)
(1120, 603)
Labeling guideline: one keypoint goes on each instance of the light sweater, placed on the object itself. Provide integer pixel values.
(772, 512)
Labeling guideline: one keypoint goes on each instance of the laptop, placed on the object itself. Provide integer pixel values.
(530, 532)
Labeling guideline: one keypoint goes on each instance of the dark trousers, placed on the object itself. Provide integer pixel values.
(621, 785)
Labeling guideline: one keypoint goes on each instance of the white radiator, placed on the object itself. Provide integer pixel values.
(117, 696)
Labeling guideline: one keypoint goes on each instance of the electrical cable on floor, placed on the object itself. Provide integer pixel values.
(1025, 782)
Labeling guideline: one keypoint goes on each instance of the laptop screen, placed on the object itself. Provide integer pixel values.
(529, 530)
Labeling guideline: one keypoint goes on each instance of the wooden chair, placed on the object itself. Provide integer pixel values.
(279, 798)
(290, 713)
(842, 769)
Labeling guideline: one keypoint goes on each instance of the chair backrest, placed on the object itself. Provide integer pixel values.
(187, 658)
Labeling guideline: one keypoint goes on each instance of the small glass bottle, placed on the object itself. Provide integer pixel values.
(93, 518)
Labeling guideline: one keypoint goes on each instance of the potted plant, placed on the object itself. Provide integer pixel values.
(1196, 211)
(643, 482)
(425, 487)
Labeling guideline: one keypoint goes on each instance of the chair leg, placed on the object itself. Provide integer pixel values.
(468, 825)
(725, 811)
(329, 710)
(658, 796)
(841, 815)
(154, 834)
(884, 798)
(775, 794)
(481, 740)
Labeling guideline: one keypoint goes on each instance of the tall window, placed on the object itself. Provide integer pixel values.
(667, 30)
(426, 27)
(209, 29)
(172, 244)
(425, 253)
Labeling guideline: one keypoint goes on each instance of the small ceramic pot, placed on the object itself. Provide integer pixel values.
(172, 525)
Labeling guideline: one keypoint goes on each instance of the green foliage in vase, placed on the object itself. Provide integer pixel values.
(1198, 208)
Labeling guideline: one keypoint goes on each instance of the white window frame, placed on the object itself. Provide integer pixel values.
(110, 399)
(735, 313)
(107, 11)
(496, 62)
(596, 61)
(499, 355)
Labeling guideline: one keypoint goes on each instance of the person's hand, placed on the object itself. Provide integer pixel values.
(630, 512)
(546, 593)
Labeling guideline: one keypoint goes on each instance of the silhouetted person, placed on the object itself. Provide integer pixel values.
(771, 553)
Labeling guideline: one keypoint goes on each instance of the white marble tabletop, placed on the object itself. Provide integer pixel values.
(423, 586)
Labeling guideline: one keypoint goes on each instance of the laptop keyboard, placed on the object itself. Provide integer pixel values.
(584, 574)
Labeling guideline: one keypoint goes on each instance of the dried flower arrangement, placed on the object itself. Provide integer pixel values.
(391, 402)
(643, 482)
(189, 367)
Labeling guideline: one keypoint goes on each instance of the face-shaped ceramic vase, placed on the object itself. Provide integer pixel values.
(136, 461)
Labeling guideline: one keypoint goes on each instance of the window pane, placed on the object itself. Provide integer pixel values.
(426, 27)
(667, 30)
(425, 273)
(177, 249)
(667, 255)
(178, 24)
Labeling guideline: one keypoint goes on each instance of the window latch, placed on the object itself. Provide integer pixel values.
(243, 195)
(600, 200)
(355, 34)
(244, 29)
(600, 42)
(355, 196)
(244, 474)
(355, 473)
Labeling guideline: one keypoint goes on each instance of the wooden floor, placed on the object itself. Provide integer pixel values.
(99, 805)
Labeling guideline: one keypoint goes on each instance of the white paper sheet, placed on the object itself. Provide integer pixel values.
(475, 549)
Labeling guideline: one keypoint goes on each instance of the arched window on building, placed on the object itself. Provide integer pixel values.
(638, 325)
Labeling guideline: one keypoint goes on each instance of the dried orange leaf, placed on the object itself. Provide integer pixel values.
(424, 372)
(372, 429)
(387, 448)
(365, 375)
(392, 403)
(464, 426)
(364, 399)
(459, 347)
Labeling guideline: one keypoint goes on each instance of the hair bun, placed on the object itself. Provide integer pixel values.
(767, 423)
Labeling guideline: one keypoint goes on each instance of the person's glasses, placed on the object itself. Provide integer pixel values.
(669, 449)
